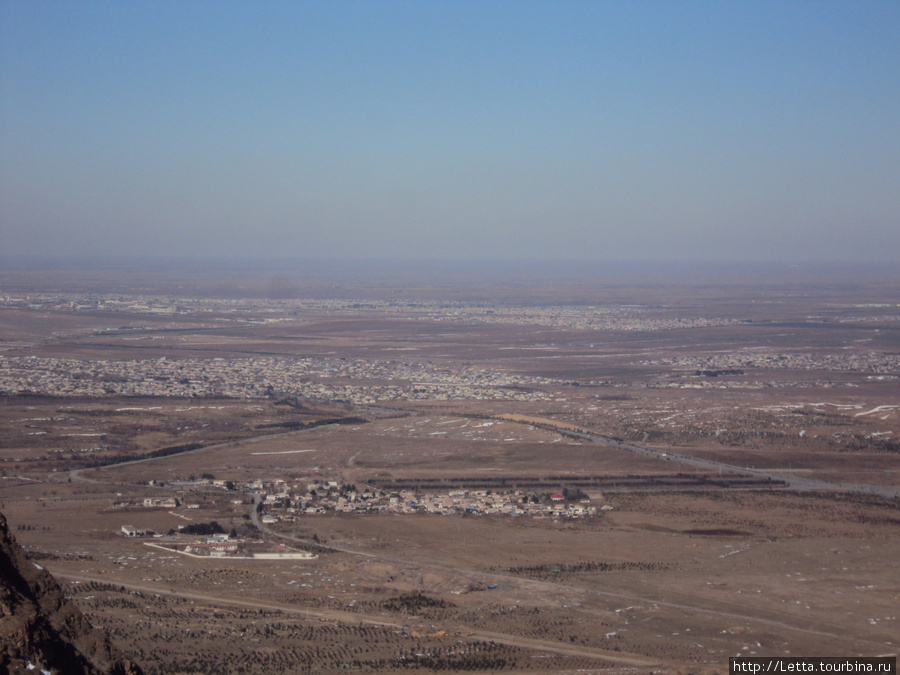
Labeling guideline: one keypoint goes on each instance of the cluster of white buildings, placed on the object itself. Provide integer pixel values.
(333, 497)
(358, 381)
(355, 381)
(579, 317)
(264, 310)
(149, 503)
(848, 361)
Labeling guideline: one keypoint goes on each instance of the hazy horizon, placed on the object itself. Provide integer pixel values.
(529, 282)
(451, 130)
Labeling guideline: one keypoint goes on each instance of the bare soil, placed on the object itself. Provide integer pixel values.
(794, 378)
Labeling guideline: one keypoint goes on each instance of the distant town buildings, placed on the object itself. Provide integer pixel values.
(355, 380)
(334, 497)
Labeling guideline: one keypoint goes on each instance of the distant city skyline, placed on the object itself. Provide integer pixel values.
(451, 130)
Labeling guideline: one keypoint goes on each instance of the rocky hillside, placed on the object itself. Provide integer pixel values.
(40, 630)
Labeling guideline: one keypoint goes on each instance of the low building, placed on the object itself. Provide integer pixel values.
(212, 549)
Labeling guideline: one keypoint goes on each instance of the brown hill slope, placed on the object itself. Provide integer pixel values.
(41, 628)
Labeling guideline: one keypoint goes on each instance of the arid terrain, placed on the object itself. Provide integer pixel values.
(523, 471)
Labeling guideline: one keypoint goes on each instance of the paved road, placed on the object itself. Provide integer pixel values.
(78, 474)
(793, 481)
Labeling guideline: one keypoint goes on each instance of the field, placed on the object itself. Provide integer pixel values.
(545, 471)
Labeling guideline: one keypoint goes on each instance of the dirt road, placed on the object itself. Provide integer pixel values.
(458, 632)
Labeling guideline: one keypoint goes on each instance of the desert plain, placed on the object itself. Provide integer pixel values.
(524, 470)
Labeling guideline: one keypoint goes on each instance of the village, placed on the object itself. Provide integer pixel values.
(275, 502)
(282, 504)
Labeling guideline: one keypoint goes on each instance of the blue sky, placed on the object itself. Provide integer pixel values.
(461, 130)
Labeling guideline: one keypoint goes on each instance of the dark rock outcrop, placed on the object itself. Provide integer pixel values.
(40, 628)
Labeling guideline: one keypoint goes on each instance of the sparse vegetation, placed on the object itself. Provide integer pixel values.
(316, 406)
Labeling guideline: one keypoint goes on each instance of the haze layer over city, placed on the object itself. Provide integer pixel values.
(474, 337)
